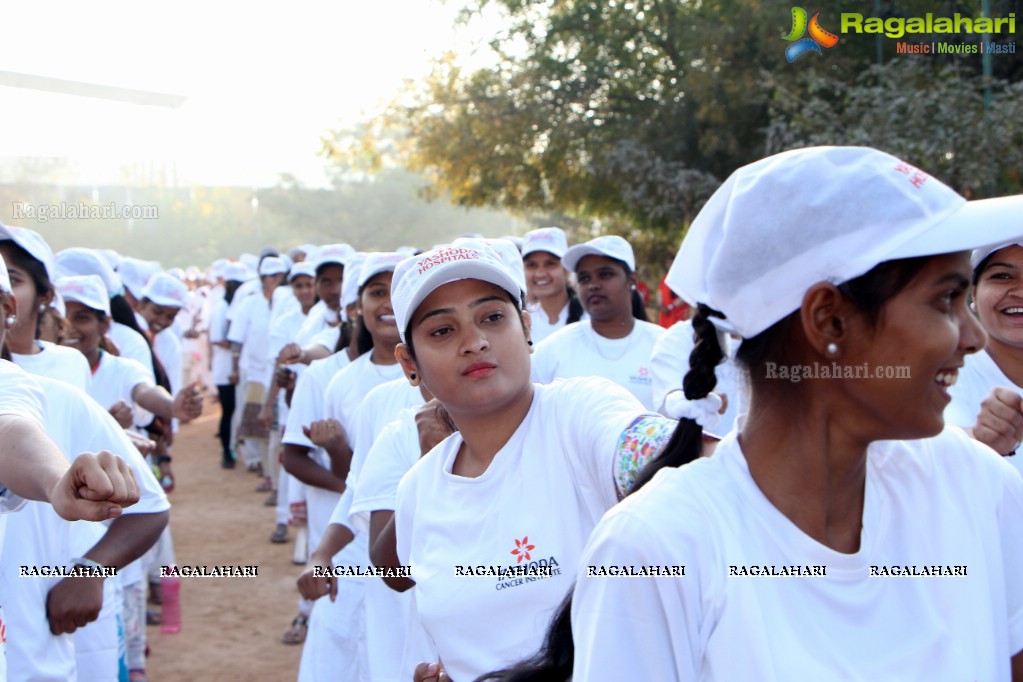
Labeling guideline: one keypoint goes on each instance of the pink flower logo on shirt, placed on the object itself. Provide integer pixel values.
(522, 549)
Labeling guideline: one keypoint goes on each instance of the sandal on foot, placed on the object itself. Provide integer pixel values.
(280, 534)
(271, 500)
(153, 617)
(137, 675)
(296, 632)
(265, 486)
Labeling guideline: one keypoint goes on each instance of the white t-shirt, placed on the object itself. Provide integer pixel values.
(20, 396)
(977, 378)
(943, 501)
(315, 322)
(220, 358)
(133, 346)
(307, 406)
(351, 389)
(326, 337)
(115, 379)
(533, 507)
(393, 453)
(56, 362)
(578, 351)
(389, 614)
(38, 537)
(167, 347)
(251, 328)
(540, 326)
(669, 363)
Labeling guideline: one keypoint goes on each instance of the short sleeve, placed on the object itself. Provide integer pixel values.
(305, 402)
(1010, 523)
(392, 454)
(326, 337)
(633, 628)
(239, 329)
(19, 394)
(670, 361)
(341, 509)
(218, 322)
(593, 414)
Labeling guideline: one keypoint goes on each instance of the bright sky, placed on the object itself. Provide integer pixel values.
(263, 80)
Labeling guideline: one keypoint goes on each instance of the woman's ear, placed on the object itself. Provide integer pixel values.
(408, 365)
(9, 305)
(527, 323)
(827, 319)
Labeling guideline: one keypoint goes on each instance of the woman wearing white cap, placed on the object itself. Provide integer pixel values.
(314, 486)
(249, 337)
(335, 632)
(32, 467)
(986, 399)
(500, 493)
(899, 541)
(129, 341)
(616, 341)
(221, 359)
(552, 302)
(29, 264)
(44, 609)
(274, 413)
(118, 382)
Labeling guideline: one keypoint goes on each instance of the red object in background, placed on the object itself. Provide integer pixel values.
(672, 309)
(644, 291)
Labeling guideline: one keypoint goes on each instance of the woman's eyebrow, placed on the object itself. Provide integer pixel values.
(449, 311)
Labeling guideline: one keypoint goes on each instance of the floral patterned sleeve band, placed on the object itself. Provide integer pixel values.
(640, 442)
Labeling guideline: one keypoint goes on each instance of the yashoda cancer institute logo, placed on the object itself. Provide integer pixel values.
(522, 549)
(818, 38)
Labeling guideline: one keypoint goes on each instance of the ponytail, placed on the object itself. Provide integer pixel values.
(638, 308)
(686, 442)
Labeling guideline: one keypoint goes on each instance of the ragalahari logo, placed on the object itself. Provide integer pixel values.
(522, 549)
(818, 38)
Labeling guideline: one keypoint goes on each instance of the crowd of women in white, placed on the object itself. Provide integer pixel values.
(478, 413)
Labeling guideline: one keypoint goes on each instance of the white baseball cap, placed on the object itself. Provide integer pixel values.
(610, 245)
(303, 269)
(272, 265)
(979, 255)
(822, 214)
(350, 282)
(549, 239)
(164, 289)
(510, 256)
(33, 243)
(81, 261)
(5, 279)
(334, 253)
(377, 262)
(135, 275)
(237, 272)
(88, 290)
(417, 277)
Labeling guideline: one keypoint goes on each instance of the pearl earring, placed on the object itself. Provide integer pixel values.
(832, 348)
(11, 319)
(42, 308)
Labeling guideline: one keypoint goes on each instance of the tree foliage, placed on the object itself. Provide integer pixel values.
(634, 110)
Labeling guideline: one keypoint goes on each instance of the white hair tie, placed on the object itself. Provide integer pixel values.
(705, 411)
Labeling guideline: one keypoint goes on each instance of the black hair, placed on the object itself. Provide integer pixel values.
(230, 287)
(575, 306)
(553, 662)
(344, 339)
(20, 258)
(638, 307)
(363, 339)
(869, 293)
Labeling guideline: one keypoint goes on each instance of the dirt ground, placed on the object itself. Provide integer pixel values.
(231, 627)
